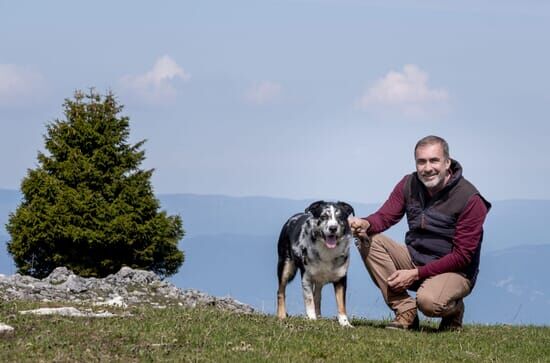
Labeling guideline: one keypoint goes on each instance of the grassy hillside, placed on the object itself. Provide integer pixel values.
(182, 335)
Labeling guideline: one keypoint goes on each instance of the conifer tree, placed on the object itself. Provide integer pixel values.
(88, 205)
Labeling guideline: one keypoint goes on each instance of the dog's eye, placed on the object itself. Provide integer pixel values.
(324, 217)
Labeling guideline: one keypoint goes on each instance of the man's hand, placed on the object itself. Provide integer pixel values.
(400, 280)
(359, 227)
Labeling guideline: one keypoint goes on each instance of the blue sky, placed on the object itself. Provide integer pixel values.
(300, 99)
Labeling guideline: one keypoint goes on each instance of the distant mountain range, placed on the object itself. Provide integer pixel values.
(230, 248)
(510, 223)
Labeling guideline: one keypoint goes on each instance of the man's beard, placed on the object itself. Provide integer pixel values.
(434, 182)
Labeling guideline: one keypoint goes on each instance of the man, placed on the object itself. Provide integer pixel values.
(440, 258)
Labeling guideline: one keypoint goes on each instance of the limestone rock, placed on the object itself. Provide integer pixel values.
(66, 311)
(58, 276)
(128, 287)
(6, 330)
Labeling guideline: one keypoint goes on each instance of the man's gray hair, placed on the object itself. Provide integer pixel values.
(430, 140)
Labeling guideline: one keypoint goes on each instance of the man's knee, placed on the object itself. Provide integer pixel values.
(367, 247)
(377, 242)
(431, 306)
(427, 303)
(438, 296)
(378, 239)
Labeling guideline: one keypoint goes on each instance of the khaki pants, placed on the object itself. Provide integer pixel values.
(437, 296)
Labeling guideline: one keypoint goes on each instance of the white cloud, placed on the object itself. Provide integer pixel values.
(504, 282)
(18, 84)
(407, 92)
(263, 92)
(510, 287)
(157, 85)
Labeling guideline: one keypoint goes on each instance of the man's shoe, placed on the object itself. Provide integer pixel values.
(453, 322)
(407, 320)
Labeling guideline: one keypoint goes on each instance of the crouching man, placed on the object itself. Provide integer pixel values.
(440, 258)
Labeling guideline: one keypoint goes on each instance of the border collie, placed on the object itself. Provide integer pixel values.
(317, 243)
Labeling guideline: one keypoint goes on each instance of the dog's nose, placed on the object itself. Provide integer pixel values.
(333, 229)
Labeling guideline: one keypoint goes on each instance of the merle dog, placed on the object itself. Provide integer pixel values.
(317, 243)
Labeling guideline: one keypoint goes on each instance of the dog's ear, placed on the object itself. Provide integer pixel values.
(316, 208)
(348, 209)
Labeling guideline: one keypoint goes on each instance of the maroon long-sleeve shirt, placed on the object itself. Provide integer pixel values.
(469, 228)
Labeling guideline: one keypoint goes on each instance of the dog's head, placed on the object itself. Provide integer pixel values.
(331, 220)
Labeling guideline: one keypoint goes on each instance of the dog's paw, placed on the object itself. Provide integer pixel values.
(344, 322)
(311, 316)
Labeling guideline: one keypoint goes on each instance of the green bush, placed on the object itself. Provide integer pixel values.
(87, 205)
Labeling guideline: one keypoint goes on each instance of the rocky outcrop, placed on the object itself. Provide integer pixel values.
(126, 288)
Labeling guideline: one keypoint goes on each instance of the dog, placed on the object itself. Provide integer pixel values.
(316, 242)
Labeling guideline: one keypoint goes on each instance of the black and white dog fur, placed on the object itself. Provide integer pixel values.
(317, 243)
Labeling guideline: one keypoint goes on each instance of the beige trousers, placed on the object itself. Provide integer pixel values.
(437, 296)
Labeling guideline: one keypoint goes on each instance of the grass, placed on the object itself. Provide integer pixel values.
(196, 335)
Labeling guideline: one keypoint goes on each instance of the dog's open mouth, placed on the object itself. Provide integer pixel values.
(330, 241)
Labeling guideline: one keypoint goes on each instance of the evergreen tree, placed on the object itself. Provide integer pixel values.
(87, 205)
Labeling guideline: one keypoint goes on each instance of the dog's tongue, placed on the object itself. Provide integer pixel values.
(330, 242)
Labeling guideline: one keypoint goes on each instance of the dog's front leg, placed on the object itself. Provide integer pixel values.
(340, 292)
(307, 289)
(317, 287)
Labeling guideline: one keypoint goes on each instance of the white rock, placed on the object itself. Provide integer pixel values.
(6, 330)
(66, 311)
(115, 301)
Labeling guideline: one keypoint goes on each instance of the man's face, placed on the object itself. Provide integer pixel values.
(431, 166)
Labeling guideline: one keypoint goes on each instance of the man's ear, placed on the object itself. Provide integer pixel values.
(315, 208)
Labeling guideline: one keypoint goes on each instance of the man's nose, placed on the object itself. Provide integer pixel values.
(428, 166)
